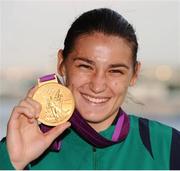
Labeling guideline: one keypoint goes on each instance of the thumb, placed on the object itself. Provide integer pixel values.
(55, 132)
(32, 91)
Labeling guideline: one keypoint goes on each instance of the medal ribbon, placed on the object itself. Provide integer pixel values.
(86, 131)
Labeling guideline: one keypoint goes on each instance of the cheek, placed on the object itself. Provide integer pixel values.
(76, 80)
(119, 87)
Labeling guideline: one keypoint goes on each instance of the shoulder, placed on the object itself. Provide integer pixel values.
(161, 141)
(155, 128)
(154, 135)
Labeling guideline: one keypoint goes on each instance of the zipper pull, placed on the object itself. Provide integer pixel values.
(94, 149)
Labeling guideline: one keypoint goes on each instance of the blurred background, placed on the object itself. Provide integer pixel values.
(31, 32)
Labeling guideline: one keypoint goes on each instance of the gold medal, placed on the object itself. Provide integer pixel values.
(57, 103)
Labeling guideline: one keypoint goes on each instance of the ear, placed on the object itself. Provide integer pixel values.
(136, 74)
(60, 63)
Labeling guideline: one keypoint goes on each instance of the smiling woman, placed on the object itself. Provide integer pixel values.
(99, 62)
(104, 66)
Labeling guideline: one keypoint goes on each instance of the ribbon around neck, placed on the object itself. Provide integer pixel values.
(90, 135)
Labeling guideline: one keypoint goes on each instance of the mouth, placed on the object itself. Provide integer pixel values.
(95, 100)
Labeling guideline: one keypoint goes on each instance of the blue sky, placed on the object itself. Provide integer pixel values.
(33, 31)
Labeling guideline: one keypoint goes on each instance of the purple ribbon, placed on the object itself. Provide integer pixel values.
(87, 132)
(47, 78)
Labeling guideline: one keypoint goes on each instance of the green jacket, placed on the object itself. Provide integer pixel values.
(149, 145)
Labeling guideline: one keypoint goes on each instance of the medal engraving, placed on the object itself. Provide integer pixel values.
(57, 103)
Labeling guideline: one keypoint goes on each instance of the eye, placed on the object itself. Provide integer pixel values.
(84, 66)
(116, 71)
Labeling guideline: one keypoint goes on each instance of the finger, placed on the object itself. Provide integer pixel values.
(26, 104)
(55, 132)
(32, 91)
(33, 105)
(32, 120)
(36, 105)
(20, 110)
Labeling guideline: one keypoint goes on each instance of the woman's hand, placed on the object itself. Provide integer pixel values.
(25, 141)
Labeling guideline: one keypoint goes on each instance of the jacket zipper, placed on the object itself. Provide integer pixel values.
(94, 158)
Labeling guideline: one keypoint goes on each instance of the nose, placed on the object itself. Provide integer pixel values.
(98, 82)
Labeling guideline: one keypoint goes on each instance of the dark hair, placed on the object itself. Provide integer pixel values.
(105, 21)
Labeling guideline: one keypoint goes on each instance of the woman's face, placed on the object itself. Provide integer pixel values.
(98, 72)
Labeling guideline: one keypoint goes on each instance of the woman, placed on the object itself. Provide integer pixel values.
(99, 64)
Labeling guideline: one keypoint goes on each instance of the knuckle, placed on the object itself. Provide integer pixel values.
(22, 102)
(31, 111)
(26, 111)
(38, 106)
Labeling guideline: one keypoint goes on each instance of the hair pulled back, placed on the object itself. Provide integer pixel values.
(102, 20)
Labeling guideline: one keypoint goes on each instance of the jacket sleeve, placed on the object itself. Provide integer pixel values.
(5, 163)
(175, 150)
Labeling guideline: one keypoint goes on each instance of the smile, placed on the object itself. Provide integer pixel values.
(96, 100)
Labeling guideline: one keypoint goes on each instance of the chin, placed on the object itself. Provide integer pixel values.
(93, 116)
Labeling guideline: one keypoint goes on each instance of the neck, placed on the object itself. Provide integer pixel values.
(102, 125)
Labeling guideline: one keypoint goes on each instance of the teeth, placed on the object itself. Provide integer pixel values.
(95, 100)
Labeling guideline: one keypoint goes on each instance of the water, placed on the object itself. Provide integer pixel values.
(7, 104)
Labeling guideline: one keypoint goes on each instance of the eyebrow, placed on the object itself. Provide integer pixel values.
(93, 63)
(119, 65)
(84, 60)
